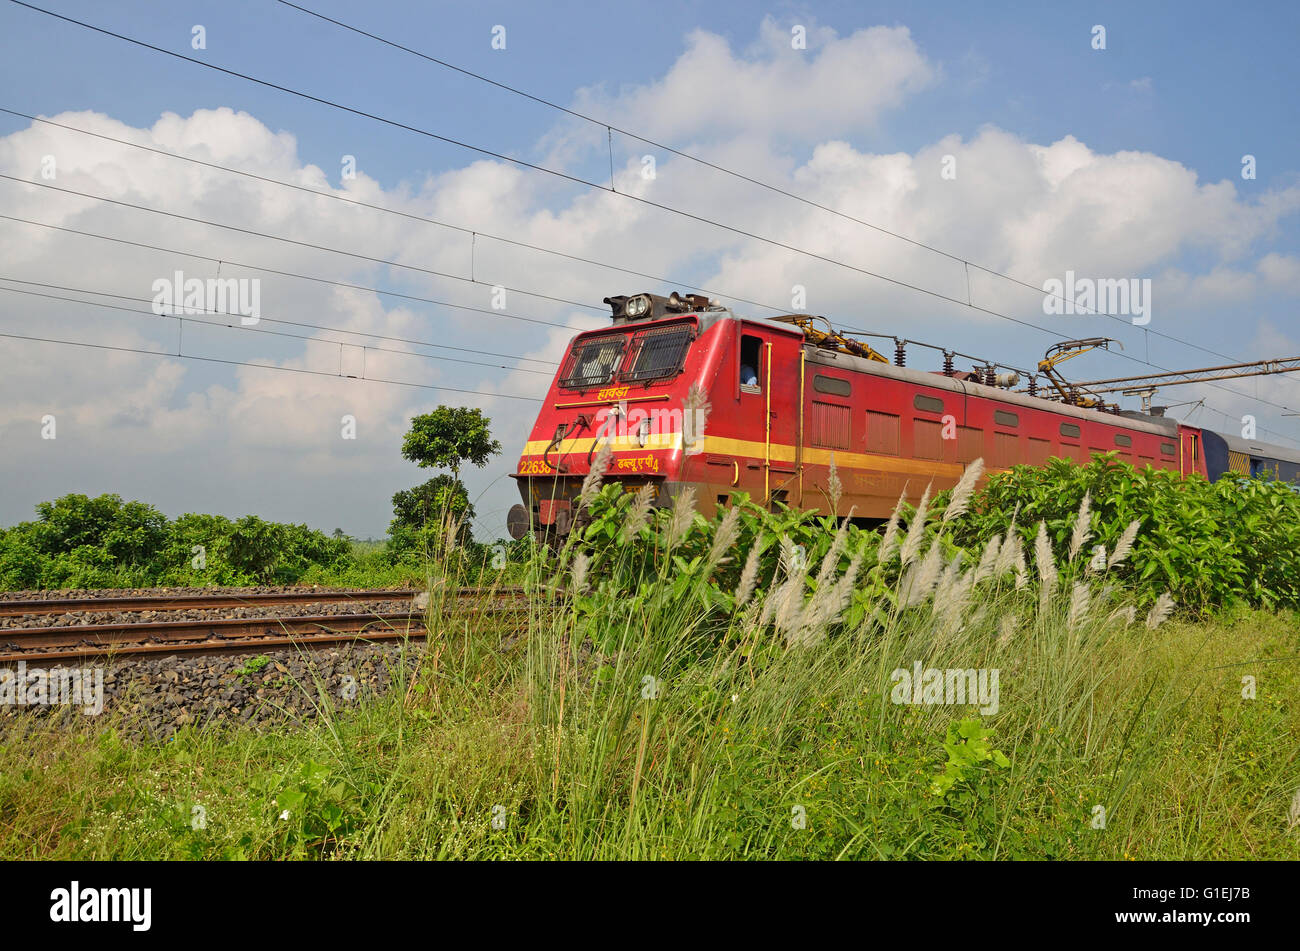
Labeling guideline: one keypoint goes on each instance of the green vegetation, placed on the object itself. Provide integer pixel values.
(253, 666)
(448, 438)
(421, 516)
(1207, 543)
(424, 518)
(731, 689)
(80, 542)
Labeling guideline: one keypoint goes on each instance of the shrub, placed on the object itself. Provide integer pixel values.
(1206, 543)
(79, 542)
(421, 514)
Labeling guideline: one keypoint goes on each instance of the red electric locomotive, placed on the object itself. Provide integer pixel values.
(784, 400)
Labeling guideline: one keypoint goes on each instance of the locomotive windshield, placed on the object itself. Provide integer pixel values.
(653, 354)
(658, 354)
(593, 362)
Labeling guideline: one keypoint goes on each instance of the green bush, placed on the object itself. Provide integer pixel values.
(1206, 543)
(20, 557)
(646, 711)
(421, 516)
(80, 542)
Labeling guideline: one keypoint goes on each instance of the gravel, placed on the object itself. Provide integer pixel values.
(90, 616)
(56, 594)
(152, 698)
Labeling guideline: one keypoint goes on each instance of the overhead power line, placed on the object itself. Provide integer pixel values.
(302, 244)
(365, 257)
(689, 156)
(265, 366)
(1232, 371)
(189, 315)
(474, 233)
(1041, 329)
(711, 292)
(296, 323)
(282, 273)
(340, 374)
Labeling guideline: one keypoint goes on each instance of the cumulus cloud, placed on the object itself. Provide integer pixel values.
(710, 93)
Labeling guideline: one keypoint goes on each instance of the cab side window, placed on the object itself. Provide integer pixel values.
(751, 363)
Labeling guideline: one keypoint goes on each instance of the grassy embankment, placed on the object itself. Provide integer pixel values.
(662, 713)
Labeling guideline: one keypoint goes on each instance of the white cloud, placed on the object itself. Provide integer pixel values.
(836, 85)
(1281, 271)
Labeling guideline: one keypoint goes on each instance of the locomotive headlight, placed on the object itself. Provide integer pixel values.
(643, 433)
(637, 306)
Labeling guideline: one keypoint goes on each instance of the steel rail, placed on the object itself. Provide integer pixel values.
(140, 603)
(220, 635)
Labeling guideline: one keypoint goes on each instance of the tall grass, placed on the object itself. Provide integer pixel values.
(683, 688)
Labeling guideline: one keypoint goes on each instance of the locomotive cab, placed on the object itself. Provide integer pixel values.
(629, 387)
(623, 388)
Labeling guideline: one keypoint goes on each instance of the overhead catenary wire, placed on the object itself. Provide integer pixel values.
(689, 156)
(283, 273)
(586, 183)
(181, 318)
(189, 315)
(474, 233)
(717, 167)
(346, 253)
(266, 366)
(297, 323)
(364, 257)
(302, 244)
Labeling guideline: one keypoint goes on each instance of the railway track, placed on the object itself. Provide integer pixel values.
(227, 635)
(180, 602)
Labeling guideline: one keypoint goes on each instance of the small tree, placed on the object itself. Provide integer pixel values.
(442, 498)
(449, 437)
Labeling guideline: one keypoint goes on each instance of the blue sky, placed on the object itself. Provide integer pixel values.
(1187, 89)
(1220, 83)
